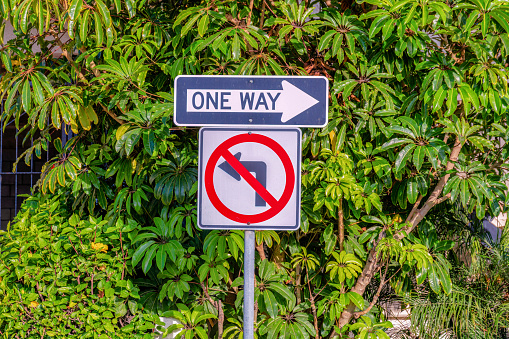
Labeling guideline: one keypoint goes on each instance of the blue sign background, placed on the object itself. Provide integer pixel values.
(315, 116)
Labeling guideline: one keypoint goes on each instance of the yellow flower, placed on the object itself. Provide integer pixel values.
(99, 247)
(397, 218)
(34, 304)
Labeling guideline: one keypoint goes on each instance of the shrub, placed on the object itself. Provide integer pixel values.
(66, 277)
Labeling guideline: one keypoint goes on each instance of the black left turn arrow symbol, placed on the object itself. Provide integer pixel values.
(258, 167)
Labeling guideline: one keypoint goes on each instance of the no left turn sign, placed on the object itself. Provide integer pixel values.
(249, 179)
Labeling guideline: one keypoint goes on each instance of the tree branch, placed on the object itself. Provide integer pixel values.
(39, 291)
(220, 319)
(434, 198)
(360, 286)
(261, 251)
(95, 71)
(262, 18)
(251, 4)
(219, 306)
(68, 56)
(313, 307)
(113, 115)
(377, 295)
(92, 64)
(442, 199)
(415, 208)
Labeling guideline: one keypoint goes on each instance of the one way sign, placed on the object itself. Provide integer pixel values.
(249, 179)
(251, 100)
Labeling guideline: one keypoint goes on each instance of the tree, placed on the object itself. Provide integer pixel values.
(477, 305)
(417, 118)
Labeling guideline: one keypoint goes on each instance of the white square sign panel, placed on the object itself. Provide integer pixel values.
(249, 179)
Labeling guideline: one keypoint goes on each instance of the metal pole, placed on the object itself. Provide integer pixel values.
(249, 283)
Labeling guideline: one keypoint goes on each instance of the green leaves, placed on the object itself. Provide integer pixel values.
(295, 21)
(203, 25)
(81, 18)
(345, 31)
(123, 71)
(419, 143)
(215, 268)
(437, 274)
(192, 323)
(142, 116)
(104, 13)
(469, 185)
(399, 103)
(292, 321)
(175, 180)
(75, 9)
(271, 294)
(368, 329)
(305, 259)
(59, 172)
(346, 266)
(415, 254)
(490, 10)
(156, 243)
(367, 78)
(218, 242)
(177, 284)
(82, 248)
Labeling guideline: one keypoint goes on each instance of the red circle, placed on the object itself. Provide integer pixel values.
(249, 218)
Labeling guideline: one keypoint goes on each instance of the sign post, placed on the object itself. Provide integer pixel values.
(249, 180)
(249, 283)
(249, 177)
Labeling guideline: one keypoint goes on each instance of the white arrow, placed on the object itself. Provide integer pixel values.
(289, 102)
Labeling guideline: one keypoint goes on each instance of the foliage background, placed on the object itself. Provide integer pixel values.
(418, 118)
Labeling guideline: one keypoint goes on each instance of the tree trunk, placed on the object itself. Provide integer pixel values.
(262, 18)
(341, 225)
(220, 319)
(364, 279)
(297, 283)
(261, 250)
(315, 317)
(415, 217)
(313, 307)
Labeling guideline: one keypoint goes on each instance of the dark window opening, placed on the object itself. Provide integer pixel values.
(12, 184)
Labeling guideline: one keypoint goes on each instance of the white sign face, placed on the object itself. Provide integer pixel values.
(249, 179)
(290, 101)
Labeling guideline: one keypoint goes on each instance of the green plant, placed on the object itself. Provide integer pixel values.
(158, 244)
(291, 322)
(417, 115)
(191, 323)
(476, 306)
(369, 330)
(64, 276)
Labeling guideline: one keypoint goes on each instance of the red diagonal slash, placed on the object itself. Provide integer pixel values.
(250, 179)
